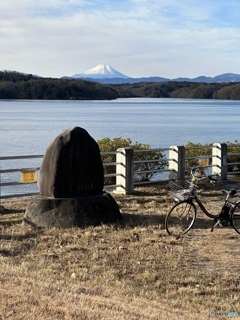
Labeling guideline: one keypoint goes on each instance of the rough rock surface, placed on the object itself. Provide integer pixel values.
(72, 166)
(71, 182)
(67, 213)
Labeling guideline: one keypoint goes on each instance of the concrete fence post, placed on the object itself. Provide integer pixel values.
(219, 160)
(124, 171)
(177, 163)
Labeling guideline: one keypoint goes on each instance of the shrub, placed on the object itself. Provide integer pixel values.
(193, 153)
(107, 144)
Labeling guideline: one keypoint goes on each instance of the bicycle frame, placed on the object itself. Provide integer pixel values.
(222, 217)
(229, 213)
(203, 208)
(195, 197)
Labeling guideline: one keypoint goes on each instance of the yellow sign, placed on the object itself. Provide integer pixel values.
(29, 176)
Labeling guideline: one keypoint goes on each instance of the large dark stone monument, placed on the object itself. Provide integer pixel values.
(71, 182)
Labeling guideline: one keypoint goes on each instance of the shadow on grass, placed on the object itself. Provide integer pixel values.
(201, 223)
(11, 222)
(21, 237)
(11, 211)
(17, 245)
(136, 220)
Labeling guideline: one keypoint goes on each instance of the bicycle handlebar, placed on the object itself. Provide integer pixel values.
(201, 174)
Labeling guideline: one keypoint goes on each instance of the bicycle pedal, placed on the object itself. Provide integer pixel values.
(216, 224)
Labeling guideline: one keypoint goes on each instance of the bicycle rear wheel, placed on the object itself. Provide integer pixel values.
(236, 219)
(180, 218)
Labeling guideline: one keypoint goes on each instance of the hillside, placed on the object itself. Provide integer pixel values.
(14, 85)
(171, 89)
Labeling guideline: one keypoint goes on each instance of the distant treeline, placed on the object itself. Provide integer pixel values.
(15, 85)
(172, 89)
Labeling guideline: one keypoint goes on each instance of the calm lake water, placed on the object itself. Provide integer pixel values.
(27, 126)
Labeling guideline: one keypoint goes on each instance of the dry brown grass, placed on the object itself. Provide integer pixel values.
(130, 271)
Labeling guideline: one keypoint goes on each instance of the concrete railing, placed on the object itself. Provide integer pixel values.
(217, 161)
(220, 159)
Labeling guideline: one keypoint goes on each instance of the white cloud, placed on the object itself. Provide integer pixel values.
(137, 37)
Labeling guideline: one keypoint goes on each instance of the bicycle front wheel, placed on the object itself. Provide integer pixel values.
(180, 218)
(236, 219)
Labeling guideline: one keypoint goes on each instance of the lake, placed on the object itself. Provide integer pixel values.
(27, 126)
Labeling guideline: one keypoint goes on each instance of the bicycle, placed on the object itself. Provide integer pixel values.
(180, 219)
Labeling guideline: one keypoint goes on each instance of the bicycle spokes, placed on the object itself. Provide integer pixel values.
(180, 218)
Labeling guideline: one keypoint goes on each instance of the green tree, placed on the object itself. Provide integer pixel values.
(107, 144)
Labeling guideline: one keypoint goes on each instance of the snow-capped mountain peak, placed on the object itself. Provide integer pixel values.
(101, 71)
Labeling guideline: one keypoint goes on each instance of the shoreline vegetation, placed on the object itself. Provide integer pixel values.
(132, 270)
(15, 85)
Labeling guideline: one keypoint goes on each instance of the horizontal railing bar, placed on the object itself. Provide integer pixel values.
(42, 155)
(18, 170)
(111, 186)
(233, 172)
(152, 150)
(111, 175)
(201, 147)
(105, 164)
(199, 157)
(208, 166)
(233, 154)
(232, 163)
(150, 171)
(149, 161)
(109, 152)
(21, 157)
(14, 183)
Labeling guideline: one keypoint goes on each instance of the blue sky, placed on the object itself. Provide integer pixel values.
(168, 38)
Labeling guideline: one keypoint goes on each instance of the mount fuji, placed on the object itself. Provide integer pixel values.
(101, 71)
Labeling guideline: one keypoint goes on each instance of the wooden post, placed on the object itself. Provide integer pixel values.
(177, 163)
(124, 171)
(219, 160)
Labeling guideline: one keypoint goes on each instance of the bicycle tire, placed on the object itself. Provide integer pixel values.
(235, 218)
(180, 218)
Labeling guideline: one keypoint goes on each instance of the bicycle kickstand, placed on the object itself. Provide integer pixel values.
(215, 225)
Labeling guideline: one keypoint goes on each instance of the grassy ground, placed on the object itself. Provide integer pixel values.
(130, 271)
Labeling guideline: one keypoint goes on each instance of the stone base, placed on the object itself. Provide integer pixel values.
(1, 209)
(70, 212)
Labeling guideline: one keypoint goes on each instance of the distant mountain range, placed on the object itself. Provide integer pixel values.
(103, 73)
(16, 85)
